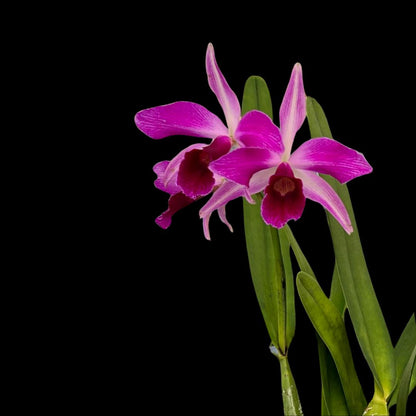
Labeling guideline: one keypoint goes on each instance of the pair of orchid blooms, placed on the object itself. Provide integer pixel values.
(247, 156)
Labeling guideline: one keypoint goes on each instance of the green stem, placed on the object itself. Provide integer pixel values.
(291, 402)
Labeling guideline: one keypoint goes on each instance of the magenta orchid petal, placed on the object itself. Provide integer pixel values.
(293, 109)
(225, 193)
(318, 190)
(257, 129)
(284, 199)
(328, 156)
(223, 217)
(218, 147)
(180, 118)
(225, 95)
(176, 202)
(194, 175)
(240, 164)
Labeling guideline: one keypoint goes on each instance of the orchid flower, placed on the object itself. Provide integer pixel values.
(188, 176)
(287, 178)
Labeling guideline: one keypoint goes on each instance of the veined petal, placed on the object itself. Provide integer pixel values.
(293, 109)
(225, 95)
(257, 129)
(225, 193)
(318, 190)
(241, 164)
(179, 118)
(328, 156)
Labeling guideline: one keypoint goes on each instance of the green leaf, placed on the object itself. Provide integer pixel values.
(403, 351)
(270, 266)
(333, 398)
(336, 294)
(266, 266)
(364, 309)
(404, 384)
(262, 241)
(330, 326)
(289, 287)
(297, 251)
(256, 96)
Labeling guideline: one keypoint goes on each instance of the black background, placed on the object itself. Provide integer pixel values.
(163, 319)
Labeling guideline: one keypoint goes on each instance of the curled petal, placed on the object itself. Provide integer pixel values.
(179, 118)
(241, 164)
(328, 156)
(225, 193)
(223, 217)
(318, 190)
(176, 202)
(167, 172)
(225, 95)
(256, 129)
(293, 108)
(284, 199)
(160, 169)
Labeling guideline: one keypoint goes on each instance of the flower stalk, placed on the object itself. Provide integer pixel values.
(290, 396)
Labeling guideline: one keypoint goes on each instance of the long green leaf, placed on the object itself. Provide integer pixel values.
(271, 270)
(364, 309)
(262, 241)
(333, 398)
(330, 326)
(336, 294)
(404, 385)
(403, 351)
(256, 96)
(289, 287)
(266, 266)
(297, 251)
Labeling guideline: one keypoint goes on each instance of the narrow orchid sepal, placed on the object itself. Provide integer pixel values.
(292, 112)
(318, 190)
(324, 155)
(180, 118)
(219, 86)
(225, 193)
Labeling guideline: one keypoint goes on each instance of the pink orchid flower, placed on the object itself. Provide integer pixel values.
(188, 176)
(286, 178)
